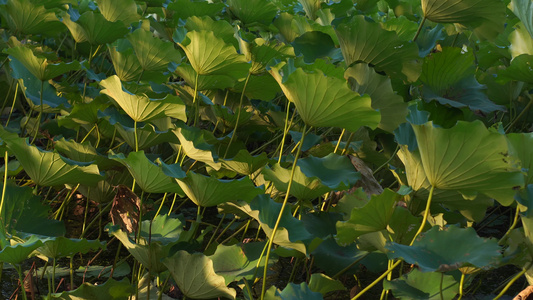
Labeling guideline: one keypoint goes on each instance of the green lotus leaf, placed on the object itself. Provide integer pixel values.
(153, 53)
(121, 270)
(208, 191)
(310, 140)
(60, 246)
(199, 145)
(468, 158)
(364, 80)
(427, 39)
(374, 216)
(244, 163)
(104, 191)
(93, 28)
(195, 277)
(221, 28)
(487, 18)
(335, 171)
(253, 11)
(205, 82)
(209, 54)
(84, 113)
(147, 136)
(28, 17)
(49, 168)
(262, 87)
(111, 289)
(520, 143)
(38, 66)
(520, 70)
(521, 41)
(523, 9)
(324, 101)
(83, 153)
(293, 292)
(125, 62)
(164, 229)
(121, 10)
(16, 254)
(418, 285)
(324, 284)
(261, 53)
(310, 7)
(445, 250)
(147, 174)
(313, 45)
(332, 258)
(454, 83)
(358, 39)
(142, 108)
(238, 261)
(229, 118)
(184, 9)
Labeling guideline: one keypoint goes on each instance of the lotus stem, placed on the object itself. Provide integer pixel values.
(419, 28)
(426, 213)
(136, 137)
(285, 201)
(513, 225)
(381, 277)
(7, 95)
(12, 104)
(195, 102)
(508, 285)
(285, 130)
(339, 141)
(238, 114)
(440, 286)
(461, 285)
(347, 144)
(21, 279)
(349, 266)
(6, 160)
(522, 113)
(160, 206)
(215, 231)
(40, 113)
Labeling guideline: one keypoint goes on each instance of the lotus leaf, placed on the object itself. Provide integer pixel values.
(244, 163)
(418, 285)
(16, 254)
(147, 136)
(28, 17)
(111, 289)
(184, 9)
(121, 10)
(153, 53)
(253, 11)
(520, 69)
(323, 284)
(93, 28)
(60, 246)
(293, 292)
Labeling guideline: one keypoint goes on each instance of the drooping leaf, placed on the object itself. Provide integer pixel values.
(323, 284)
(358, 39)
(523, 9)
(324, 101)
(60, 246)
(142, 108)
(454, 83)
(16, 254)
(443, 250)
(121, 10)
(195, 276)
(364, 80)
(83, 153)
(147, 136)
(244, 163)
(332, 258)
(521, 41)
(333, 170)
(49, 168)
(120, 290)
(199, 145)
(486, 18)
(92, 27)
(418, 285)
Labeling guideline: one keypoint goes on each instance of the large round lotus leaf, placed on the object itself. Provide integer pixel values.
(324, 101)
(142, 108)
(153, 53)
(454, 83)
(423, 286)
(119, 10)
(253, 11)
(38, 66)
(208, 191)
(28, 17)
(334, 171)
(293, 292)
(374, 216)
(486, 17)
(64, 247)
(364, 80)
(163, 229)
(93, 28)
(111, 289)
(468, 158)
(147, 174)
(195, 276)
(209, 54)
(447, 250)
(358, 39)
(199, 145)
(17, 253)
(49, 168)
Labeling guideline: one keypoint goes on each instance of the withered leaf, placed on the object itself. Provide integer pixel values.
(125, 209)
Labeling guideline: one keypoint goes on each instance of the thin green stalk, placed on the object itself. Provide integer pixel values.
(419, 28)
(136, 137)
(461, 286)
(285, 130)
(381, 277)
(160, 206)
(339, 141)
(172, 205)
(6, 160)
(12, 104)
(54, 275)
(426, 213)
(40, 113)
(285, 201)
(522, 113)
(513, 281)
(88, 133)
(440, 286)
(513, 225)
(7, 95)
(215, 231)
(238, 114)
(21, 278)
(71, 271)
(96, 218)
(85, 212)
(348, 142)
(336, 276)
(196, 103)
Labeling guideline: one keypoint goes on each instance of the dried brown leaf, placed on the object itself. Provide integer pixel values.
(125, 209)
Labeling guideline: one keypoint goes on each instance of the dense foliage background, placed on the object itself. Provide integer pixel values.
(357, 148)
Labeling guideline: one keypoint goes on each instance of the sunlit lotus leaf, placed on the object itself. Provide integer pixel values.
(238, 261)
(521, 41)
(83, 153)
(364, 80)
(147, 136)
(303, 187)
(147, 174)
(195, 276)
(521, 69)
(358, 39)
(142, 108)
(454, 83)
(119, 10)
(374, 216)
(310, 7)
(470, 159)
(199, 145)
(164, 229)
(291, 233)
(121, 270)
(64, 247)
(49, 168)
(324, 284)
(445, 250)
(244, 163)
(521, 143)
(523, 9)
(209, 54)
(261, 53)
(486, 18)
(324, 101)
(292, 292)
(253, 11)
(29, 17)
(153, 53)
(16, 254)
(119, 290)
(184, 9)
(84, 113)
(208, 191)
(38, 66)
(418, 285)
(221, 28)
(93, 28)
(205, 82)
